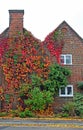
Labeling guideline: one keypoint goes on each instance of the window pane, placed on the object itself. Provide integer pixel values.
(62, 91)
(68, 59)
(62, 59)
(69, 91)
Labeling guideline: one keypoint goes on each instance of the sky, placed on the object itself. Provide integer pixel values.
(43, 16)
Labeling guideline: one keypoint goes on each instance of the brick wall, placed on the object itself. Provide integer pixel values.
(73, 44)
(15, 22)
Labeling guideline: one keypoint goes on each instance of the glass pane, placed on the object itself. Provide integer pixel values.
(62, 59)
(62, 91)
(68, 59)
(69, 90)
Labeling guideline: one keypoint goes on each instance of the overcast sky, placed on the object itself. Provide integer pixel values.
(42, 16)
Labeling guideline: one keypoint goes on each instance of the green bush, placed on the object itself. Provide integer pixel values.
(28, 113)
(69, 108)
(65, 115)
(75, 107)
(38, 99)
(81, 113)
(22, 114)
(80, 85)
(62, 114)
(3, 114)
(78, 102)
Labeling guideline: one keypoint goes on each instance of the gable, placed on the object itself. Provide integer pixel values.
(65, 27)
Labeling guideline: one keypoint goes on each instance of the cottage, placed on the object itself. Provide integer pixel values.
(71, 55)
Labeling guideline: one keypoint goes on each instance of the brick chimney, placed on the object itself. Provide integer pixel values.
(15, 22)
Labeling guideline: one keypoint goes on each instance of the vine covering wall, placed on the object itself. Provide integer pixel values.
(22, 56)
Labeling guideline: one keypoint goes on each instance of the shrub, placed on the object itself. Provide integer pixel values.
(69, 108)
(65, 115)
(75, 107)
(28, 113)
(78, 102)
(80, 85)
(39, 99)
(22, 114)
(3, 114)
(81, 113)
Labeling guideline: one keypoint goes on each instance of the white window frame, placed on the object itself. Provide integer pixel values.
(65, 55)
(66, 95)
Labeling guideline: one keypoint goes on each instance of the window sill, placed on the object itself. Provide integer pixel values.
(66, 64)
(65, 95)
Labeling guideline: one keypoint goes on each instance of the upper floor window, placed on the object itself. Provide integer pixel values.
(66, 59)
(66, 91)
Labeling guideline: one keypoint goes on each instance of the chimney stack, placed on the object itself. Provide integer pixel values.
(16, 22)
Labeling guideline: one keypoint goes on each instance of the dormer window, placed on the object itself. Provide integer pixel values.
(66, 59)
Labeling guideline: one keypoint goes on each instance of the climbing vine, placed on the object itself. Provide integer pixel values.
(54, 43)
(25, 62)
(20, 57)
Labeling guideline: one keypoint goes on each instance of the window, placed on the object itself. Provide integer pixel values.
(66, 59)
(66, 91)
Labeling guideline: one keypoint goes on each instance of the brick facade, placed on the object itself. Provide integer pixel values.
(73, 44)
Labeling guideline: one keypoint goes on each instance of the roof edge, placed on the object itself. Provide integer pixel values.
(16, 11)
